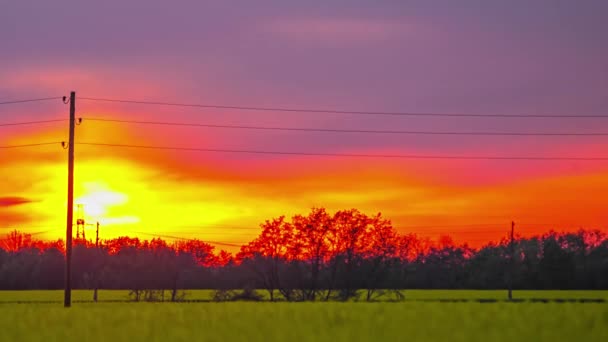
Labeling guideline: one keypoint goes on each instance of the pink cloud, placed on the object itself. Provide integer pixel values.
(343, 30)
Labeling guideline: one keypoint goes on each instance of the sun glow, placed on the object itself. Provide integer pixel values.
(98, 201)
(141, 193)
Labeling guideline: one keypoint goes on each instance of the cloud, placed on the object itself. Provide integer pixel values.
(336, 29)
(86, 77)
(13, 201)
(9, 212)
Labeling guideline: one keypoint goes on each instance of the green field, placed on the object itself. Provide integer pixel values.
(43, 296)
(409, 321)
(424, 315)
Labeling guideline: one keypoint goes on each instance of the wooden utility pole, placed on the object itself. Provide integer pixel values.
(511, 261)
(67, 299)
(97, 265)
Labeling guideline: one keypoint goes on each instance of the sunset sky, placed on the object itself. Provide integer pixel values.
(472, 57)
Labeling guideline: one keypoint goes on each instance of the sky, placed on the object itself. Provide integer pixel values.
(472, 57)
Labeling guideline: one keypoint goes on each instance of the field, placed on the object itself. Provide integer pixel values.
(422, 317)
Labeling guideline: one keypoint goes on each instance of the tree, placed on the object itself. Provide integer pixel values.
(317, 256)
(15, 241)
(557, 265)
(268, 253)
(311, 246)
(380, 254)
(48, 273)
(346, 249)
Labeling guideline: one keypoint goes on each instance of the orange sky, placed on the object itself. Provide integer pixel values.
(223, 198)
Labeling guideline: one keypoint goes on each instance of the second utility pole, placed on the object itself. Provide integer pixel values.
(511, 261)
(96, 265)
(67, 298)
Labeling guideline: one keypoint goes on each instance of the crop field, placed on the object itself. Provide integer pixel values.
(423, 316)
(409, 321)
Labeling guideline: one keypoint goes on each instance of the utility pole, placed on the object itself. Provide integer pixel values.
(96, 268)
(67, 299)
(511, 261)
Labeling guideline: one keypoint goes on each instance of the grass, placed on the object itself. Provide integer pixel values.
(44, 296)
(411, 321)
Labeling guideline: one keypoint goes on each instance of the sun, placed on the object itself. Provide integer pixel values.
(98, 201)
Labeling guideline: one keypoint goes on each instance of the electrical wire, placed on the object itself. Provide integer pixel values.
(30, 122)
(32, 145)
(188, 239)
(329, 111)
(386, 156)
(329, 130)
(472, 225)
(31, 100)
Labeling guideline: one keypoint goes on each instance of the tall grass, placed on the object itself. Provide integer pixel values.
(410, 321)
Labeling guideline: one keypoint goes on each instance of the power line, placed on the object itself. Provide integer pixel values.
(471, 226)
(245, 230)
(39, 232)
(330, 130)
(30, 122)
(23, 226)
(32, 145)
(30, 100)
(215, 226)
(386, 156)
(150, 234)
(187, 239)
(329, 111)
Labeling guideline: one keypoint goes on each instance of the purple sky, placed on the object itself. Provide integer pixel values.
(442, 56)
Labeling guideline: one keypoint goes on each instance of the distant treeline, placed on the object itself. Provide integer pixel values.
(318, 256)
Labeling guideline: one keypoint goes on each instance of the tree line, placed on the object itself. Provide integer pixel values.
(318, 256)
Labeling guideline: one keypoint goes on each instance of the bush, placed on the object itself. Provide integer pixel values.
(247, 294)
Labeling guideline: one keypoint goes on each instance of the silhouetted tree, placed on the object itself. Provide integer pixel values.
(311, 257)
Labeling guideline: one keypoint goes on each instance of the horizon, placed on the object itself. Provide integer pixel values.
(431, 238)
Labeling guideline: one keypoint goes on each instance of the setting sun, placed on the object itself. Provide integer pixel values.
(98, 199)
